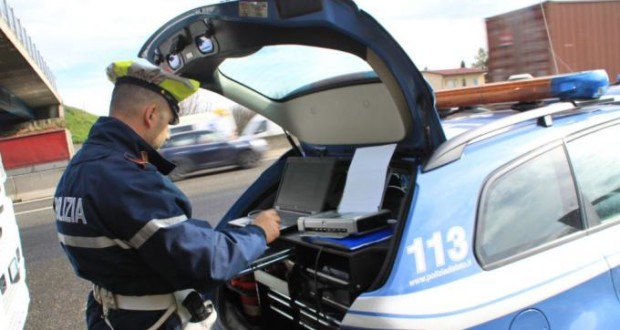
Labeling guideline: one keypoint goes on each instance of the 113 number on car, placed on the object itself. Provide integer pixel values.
(453, 245)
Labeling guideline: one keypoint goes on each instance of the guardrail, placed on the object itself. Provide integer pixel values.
(6, 12)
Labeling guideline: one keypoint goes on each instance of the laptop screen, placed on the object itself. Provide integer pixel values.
(305, 184)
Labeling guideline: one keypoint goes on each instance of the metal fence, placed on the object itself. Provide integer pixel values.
(6, 12)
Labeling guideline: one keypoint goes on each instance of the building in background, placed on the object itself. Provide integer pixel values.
(555, 37)
(453, 78)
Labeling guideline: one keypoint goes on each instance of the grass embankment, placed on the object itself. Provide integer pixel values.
(78, 122)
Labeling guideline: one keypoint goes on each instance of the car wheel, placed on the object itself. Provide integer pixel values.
(247, 159)
(181, 170)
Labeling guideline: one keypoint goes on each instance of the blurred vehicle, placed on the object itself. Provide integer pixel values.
(520, 76)
(14, 295)
(504, 219)
(220, 120)
(260, 126)
(198, 150)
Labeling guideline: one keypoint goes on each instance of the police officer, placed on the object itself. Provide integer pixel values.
(129, 230)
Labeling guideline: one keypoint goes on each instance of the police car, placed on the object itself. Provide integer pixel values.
(14, 296)
(503, 219)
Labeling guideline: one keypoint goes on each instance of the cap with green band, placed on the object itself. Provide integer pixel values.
(173, 88)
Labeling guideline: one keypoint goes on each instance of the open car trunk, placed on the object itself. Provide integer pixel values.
(337, 82)
(304, 284)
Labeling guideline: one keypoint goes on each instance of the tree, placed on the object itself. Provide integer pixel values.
(481, 59)
(242, 116)
(462, 64)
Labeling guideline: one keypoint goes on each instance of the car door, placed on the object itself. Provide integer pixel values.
(212, 150)
(14, 294)
(595, 156)
(532, 241)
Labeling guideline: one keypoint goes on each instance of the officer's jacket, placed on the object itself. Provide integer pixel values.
(126, 227)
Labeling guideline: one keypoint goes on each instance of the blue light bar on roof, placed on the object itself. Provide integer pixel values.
(580, 85)
(570, 86)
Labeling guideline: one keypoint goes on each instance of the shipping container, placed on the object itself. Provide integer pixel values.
(555, 37)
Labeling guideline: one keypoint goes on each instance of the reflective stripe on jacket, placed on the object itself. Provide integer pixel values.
(126, 227)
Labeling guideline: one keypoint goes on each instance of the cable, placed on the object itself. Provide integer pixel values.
(555, 62)
(318, 293)
(293, 144)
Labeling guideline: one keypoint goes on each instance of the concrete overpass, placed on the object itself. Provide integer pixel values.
(27, 87)
(34, 144)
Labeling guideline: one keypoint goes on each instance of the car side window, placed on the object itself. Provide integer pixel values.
(209, 137)
(528, 205)
(184, 140)
(596, 162)
(262, 127)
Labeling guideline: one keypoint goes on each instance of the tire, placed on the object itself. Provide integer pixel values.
(183, 167)
(247, 159)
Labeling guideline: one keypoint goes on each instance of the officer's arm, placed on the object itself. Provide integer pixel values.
(187, 252)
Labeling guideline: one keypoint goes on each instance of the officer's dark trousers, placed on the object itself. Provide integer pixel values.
(124, 319)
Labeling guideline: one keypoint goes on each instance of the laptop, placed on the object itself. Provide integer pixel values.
(304, 188)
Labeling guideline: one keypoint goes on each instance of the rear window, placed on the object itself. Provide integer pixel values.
(525, 206)
(279, 71)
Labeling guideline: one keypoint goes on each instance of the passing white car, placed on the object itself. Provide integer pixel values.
(14, 297)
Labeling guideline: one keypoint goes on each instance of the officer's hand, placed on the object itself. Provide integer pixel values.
(269, 221)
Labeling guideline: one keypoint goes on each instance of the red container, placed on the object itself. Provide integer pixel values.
(36, 148)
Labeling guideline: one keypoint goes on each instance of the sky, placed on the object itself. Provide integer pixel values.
(79, 38)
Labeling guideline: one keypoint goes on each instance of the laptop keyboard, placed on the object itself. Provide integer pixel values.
(288, 219)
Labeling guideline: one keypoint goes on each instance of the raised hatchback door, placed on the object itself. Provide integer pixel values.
(195, 44)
